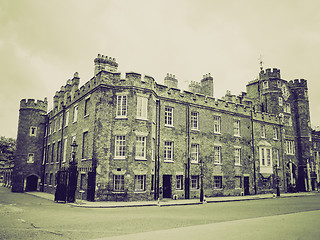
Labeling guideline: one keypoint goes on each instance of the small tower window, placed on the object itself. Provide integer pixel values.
(33, 131)
(265, 85)
(30, 158)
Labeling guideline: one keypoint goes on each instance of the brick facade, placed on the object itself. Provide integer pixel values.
(142, 140)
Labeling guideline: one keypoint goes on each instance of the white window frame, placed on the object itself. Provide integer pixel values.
(86, 107)
(194, 153)
(139, 183)
(122, 106)
(217, 124)
(237, 156)
(142, 108)
(120, 147)
(280, 101)
(64, 158)
(194, 121)
(141, 148)
(290, 147)
(179, 182)
(217, 154)
(217, 182)
(236, 128)
(265, 156)
(168, 116)
(33, 131)
(118, 183)
(30, 158)
(75, 113)
(194, 179)
(275, 157)
(275, 133)
(66, 119)
(168, 151)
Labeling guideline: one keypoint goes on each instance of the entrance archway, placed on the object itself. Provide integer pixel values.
(32, 183)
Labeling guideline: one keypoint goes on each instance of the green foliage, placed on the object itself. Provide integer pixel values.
(7, 149)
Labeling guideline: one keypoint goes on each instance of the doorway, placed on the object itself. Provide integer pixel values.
(246, 185)
(32, 183)
(167, 186)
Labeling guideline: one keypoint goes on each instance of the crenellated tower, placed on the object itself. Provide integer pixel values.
(301, 119)
(105, 63)
(29, 151)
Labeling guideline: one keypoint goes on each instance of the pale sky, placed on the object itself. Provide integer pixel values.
(42, 44)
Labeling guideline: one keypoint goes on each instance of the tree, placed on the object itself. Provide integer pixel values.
(7, 149)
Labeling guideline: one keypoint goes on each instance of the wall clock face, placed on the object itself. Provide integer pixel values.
(285, 92)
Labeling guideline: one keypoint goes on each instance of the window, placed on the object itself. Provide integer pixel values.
(48, 154)
(75, 114)
(217, 182)
(179, 182)
(168, 116)
(265, 156)
(265, 84)
(118, 183)
(290, 147)
(141, 147)
(236, 128)
(287, 108)
(152, 182)
(86, 107)
(275, 133)
(194, 121)
(217, 124)
(44, 155)
(168, 151)
(54, 125)
(195, 182)
(52, 152)
(287, 121)
(276, 157)
(237, 156)
(263, 131)
(121, 106)
(60, 122)
(142, 107)
(85, 146)
(279, 84)
(58, 151)
(154, 111)
(280, 101)
(120, 147)
(139, 183)
(66, 120)
(194, 153)
(50, 178)
(30, 158)
(217, 154)
(64, 159)
(237, 182)
(33, 131)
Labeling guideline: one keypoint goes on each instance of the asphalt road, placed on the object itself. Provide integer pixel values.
(24, 216)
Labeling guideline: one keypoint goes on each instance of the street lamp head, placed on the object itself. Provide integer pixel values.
(74, 146)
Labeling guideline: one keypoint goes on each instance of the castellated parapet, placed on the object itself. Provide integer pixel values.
(298, 83)
(41, 105)
(171, 81)
(268, 73)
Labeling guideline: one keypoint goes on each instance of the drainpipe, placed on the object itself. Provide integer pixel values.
(157, 160)
(187, 164)
(253, 155)
(45, 155)
(62, 146)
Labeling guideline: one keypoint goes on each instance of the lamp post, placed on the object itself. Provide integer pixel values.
(73, 174)
(201, 179)
(277, 180)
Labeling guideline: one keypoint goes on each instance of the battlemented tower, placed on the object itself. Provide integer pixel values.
(30, 137)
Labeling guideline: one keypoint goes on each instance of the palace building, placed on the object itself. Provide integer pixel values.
(140, 140)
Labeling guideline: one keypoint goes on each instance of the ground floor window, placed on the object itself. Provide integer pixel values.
(217, 182)
(179, 182)
(139, 183)
(118, 183)
(195, 182)
(237, 182)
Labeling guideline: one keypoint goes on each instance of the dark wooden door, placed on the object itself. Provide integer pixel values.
(167, 186)
(246, 186)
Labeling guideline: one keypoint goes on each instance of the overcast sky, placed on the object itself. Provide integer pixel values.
(42, 44)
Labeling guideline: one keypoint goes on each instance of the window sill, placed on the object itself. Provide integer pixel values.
(238, 136)
(140, 159)
(219, 164)
(121, 117)
(140, 118)
(119, 158)
(74, 122)
(195, 130)
(238, 165)
(170, 126)
(218, 133)
(136, 191)
(194, 162)
(168, 161)
(116, 192)
(179, 190)
(86, 116)
(218, 189)
(194, 189)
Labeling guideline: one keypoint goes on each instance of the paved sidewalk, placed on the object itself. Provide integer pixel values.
(169, 202)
